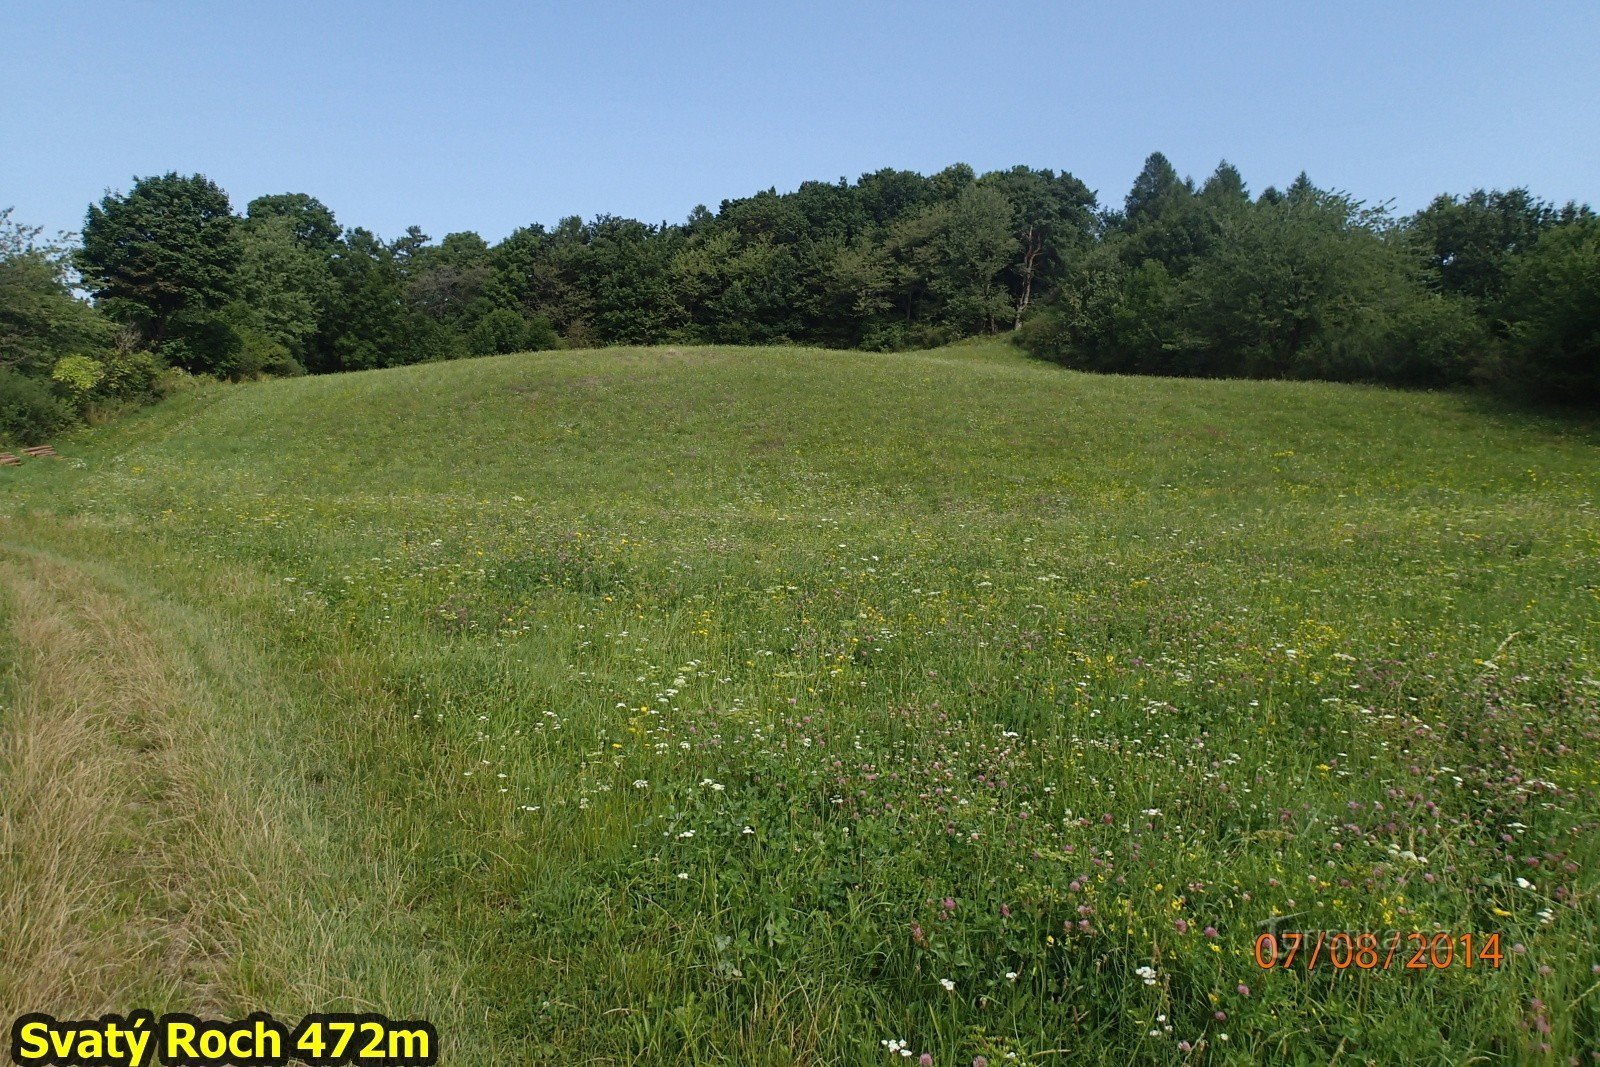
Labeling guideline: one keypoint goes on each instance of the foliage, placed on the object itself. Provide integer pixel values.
(61, 357)
(1552, 311)
(1303, 284)
(40, 321)
(29, 411)
(162, 257)
(1182, 279)
(1470, 241)
(309, 220)
(257, 354)
(130, 373)
(503, 330)
(78, 376)
(283, 285)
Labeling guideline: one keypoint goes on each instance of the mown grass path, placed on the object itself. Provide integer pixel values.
(105, 901)
(164, 846)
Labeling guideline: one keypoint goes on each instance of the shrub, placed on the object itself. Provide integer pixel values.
(77, 376)
(498, 332)
(203, 344)
(541, 335)
(1553, 298)
(28, 411)
(1435, 340)
(131, 372)
(259, 355)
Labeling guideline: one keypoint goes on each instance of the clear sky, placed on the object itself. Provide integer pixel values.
(489, 115)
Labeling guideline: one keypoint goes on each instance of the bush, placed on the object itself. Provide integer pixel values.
(498, 332)
(259, 355)
(541, 335)
(28, 411)
(131, 373)
(203, 344)
(888, 338)
(1553, 320)
(429, 341)
(77, 376)
(1112, 318)
(1435, 340)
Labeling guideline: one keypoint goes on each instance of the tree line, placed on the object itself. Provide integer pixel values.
(1497, 288)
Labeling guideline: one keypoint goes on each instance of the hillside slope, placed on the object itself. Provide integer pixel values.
(765, 705)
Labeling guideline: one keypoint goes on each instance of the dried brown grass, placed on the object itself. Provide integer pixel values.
(96, 895)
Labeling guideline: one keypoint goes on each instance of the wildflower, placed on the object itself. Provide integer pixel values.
(949, 985)
(1147, 973)
(640, 783)
(683, 876)
(1210, 932)
(925, 1060)
(1244, 990)
(1011, 976)
(1181, 926)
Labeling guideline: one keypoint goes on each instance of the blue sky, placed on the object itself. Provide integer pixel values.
(487, 116)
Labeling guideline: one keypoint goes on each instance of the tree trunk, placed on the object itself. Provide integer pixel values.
(1030, 256)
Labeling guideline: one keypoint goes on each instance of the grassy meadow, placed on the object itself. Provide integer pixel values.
(783, 706)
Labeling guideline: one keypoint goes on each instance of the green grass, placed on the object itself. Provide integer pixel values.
(698, 706)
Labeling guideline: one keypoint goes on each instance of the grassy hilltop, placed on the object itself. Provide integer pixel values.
(761, 706)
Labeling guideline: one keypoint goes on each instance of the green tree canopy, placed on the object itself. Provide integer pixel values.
(40, 319)
(1156, 190)
(164, 249)
(1470, 241)
(310, 221)
(1552, 310)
